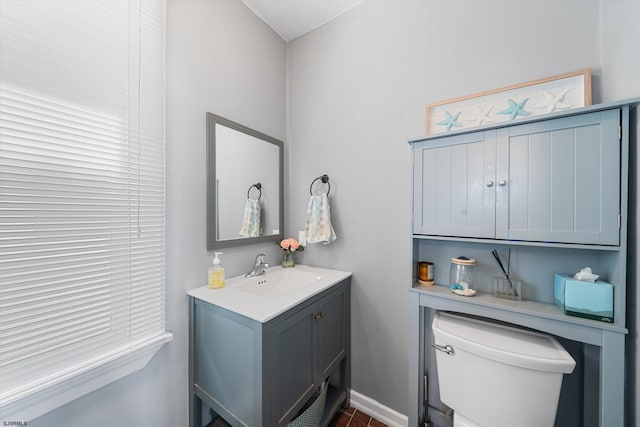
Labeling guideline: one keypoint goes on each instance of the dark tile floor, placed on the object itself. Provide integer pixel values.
(349, 417)
(352, 417)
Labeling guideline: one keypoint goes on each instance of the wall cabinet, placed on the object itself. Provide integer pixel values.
(262, 374)
(554, 189)
(548, 181)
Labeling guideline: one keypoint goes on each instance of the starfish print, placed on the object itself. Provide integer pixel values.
(553, 102)
(450, 120)
(515, 110)
(482, 116)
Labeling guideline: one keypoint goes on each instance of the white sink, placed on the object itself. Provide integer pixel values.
(264, 297)
(276, 283)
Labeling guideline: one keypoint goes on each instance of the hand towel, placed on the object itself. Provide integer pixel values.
(251, 221)
(317, 225)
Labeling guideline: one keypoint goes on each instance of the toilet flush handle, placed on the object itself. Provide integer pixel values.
(446, 348)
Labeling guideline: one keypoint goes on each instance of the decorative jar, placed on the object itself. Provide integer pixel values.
(462, 273)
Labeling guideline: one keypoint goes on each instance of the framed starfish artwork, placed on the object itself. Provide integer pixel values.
(543, 96)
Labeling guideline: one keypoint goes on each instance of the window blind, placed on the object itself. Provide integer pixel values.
(82, 190)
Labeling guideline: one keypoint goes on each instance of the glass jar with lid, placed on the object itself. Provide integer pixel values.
(462, 274)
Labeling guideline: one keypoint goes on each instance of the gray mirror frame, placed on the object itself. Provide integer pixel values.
(212, 243)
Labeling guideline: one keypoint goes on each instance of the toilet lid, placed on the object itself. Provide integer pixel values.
(502, 343)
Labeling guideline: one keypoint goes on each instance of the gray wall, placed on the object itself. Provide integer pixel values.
(357, 91)
(220, 58)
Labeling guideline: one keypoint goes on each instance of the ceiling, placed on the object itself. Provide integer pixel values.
(294, 18)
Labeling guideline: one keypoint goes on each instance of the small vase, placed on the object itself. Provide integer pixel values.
(287, 260)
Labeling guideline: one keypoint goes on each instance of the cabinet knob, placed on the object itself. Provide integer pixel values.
(319, 315)
(488, 183)
(502, 183)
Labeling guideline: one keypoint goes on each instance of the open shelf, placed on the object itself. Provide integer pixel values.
(531, 314)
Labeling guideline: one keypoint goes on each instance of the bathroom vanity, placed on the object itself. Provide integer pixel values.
(554, 190)
(260, 348)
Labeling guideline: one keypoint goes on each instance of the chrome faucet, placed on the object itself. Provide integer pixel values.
(259, 267)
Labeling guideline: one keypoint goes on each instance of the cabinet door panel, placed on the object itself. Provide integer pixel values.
(450, 196)
(293, 358)
(563, 169)
(588, 173)
(229, 375)
(441, 177)
(518, 185)
(332, 335)
(562, 180)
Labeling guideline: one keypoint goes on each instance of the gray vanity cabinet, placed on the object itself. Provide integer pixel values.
(262, 374)
(546, 181)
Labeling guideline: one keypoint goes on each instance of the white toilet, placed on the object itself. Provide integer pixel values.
(493, 375)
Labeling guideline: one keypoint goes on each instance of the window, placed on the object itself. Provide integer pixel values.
(82, 191)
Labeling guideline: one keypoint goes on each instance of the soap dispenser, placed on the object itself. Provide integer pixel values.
(215, 276)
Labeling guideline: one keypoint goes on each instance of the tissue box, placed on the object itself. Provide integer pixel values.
(591, 300)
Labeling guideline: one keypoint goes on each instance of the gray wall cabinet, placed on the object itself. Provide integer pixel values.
(261, 374)
(554, 190)
(548, 181)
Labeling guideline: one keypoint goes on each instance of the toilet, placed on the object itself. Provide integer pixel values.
(493, 375)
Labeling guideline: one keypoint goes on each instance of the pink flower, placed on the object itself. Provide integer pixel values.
(291, 245)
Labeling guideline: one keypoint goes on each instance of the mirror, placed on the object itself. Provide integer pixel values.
(244, 185)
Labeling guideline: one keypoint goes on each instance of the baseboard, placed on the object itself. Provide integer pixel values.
(377, 410)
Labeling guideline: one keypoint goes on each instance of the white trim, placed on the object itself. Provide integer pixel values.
(37, 402)
(377, 410)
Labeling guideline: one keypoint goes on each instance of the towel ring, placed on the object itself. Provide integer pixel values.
(325, 180)
(259, 187)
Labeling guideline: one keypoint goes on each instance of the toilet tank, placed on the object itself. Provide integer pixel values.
(498, 375)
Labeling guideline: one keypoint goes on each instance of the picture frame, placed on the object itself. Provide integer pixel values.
(515, 102)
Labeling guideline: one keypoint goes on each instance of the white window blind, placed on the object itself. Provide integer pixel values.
(82, 189)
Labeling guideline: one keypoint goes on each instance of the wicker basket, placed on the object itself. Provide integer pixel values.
(313, 414)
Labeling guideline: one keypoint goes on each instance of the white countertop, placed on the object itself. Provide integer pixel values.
(260, 308)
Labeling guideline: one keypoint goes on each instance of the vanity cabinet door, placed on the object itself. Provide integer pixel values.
(331, 325)
(454, 185)
(293, 361)
(306, 347)
(559, 180)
